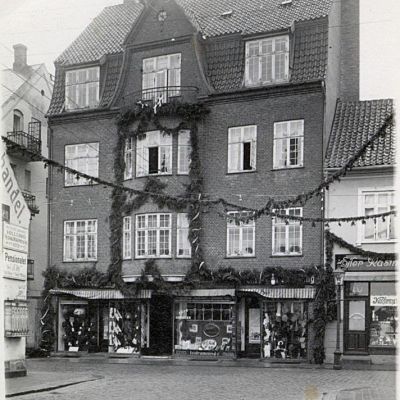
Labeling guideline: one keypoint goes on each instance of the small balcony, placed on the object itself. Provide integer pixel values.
(161, 95)
(30, 141)
(31, 269)
(31, 201)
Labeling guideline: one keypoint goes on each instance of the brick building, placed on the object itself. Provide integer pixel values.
(269, 73)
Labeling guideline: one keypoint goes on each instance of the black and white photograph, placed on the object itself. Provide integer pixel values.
(198, 199)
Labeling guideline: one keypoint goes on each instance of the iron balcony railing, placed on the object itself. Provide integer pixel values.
(31, 201)
(31, 269)
(161, 95)
(30, 140)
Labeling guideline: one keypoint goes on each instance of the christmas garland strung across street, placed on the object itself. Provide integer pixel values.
(185, 111)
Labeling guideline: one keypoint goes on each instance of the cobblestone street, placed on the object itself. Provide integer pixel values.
(164, 382)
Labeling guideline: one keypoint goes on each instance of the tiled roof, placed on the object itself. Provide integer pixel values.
(250, 16)
(58, 96)
(104, 35)
(354, 123)
(226, 61)
(112, 76)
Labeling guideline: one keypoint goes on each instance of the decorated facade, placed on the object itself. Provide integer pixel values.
(193, 181)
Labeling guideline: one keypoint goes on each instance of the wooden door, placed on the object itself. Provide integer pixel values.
(356, 325)
(252, 327)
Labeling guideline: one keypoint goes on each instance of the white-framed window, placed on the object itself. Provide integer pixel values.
(153, 235)
(242, 148)
(154, 154)
(82, 88)
(184, 152)
(83, 158)
(288, 144)
(377, 202)
(127, 238)
(161, 77)
(183, 247)
(80, 240)
(128, 158)
(267, 61)
(287, 235)
(240, 234)
(18, 121)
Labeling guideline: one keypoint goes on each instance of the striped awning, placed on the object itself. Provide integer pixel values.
(282, 293)
(101, 294)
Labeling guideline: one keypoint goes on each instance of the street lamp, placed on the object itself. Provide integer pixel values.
(339, 275)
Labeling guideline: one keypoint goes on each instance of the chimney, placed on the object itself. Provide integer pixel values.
(20, 58)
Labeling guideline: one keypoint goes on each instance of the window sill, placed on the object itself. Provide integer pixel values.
(262, 84)
(286, 255)
(150, 175)
(79, 261)
(80, 185)
(241, 257)
(153, 257)
(288, 168)
(183, 257)
(247, 171)
(358, 244)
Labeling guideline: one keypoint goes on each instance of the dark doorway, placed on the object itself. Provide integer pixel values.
(160, 326)
(252, 327)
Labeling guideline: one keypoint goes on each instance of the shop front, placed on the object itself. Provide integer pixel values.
(101, 321)
(205, 324)
(274, 322)
(370, 307)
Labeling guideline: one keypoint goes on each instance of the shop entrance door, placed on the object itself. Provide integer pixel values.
(356, 325)
(252, 328)
(160, 326)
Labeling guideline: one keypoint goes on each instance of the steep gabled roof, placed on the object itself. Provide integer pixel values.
(104, 35)
(354, 123)
(250, 16)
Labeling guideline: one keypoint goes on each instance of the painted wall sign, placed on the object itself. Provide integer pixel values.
(14, 265)
(15, 238)
(11, 187)
(383, 300)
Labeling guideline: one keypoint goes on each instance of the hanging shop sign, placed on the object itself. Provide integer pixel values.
(384, 300)
(14, 265)
(15, 318)
(15, 238)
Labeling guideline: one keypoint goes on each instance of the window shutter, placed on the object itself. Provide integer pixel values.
(253, 153)
(184, 150)
(165, 155)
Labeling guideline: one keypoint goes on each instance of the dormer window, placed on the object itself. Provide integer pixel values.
(82, 88)
(267, 61)
(161, 77)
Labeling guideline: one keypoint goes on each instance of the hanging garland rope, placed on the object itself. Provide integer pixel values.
(184, 111)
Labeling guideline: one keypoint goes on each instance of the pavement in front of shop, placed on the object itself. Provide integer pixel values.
(163, 381)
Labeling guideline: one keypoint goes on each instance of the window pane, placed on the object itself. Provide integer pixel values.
(152, 243)
(356, 316)
(279, 239)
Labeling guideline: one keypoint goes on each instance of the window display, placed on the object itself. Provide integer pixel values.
(203, 327)
(285, 329)
(384, 316)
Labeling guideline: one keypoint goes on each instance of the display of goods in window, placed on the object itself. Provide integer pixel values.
(79, 330)
(285, 330)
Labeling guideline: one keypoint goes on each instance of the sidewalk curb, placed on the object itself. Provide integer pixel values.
(48, 388)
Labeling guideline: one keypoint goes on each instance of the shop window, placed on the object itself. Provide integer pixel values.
(384, 314)
(241, 235)
(83, 158)
(377, 202)
(242, 152)
(285, 329)
(357, 288)
(80, 240)
(267, 61)
(128, 158)
(161, 77)
(82, 88)
(287, 234)
(202, 327)
(153, 235)
(184, 152)
(127, 238)
(288, 144)
(154, 154)
(184, 248)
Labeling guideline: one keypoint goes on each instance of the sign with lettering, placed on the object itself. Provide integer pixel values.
(384, 300)
(351, 262)
(15, 265)
(15, 238)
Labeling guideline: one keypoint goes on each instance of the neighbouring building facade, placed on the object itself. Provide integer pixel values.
(189, 101)
(366, 252)
(26, 94)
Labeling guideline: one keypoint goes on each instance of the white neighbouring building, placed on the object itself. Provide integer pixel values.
(14, 225)
(366, 251)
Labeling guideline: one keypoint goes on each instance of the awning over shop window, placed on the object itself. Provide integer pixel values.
(101, 294)
(211, 292)
(282, 293)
